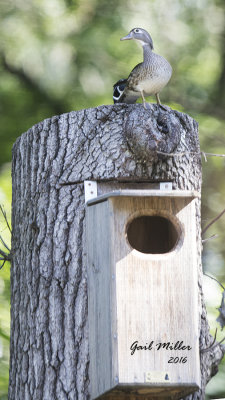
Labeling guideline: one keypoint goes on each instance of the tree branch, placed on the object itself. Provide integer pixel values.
(5, 217)
(213, 221)
(214, 280)
(209, 238)
(5, 256)
(184, 153)
(213, 346)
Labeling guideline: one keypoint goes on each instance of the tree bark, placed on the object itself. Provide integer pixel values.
(120, 143)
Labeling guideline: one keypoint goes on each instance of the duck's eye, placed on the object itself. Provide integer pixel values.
(137, 30)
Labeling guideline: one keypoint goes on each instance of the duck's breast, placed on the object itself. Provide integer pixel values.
(157, 75)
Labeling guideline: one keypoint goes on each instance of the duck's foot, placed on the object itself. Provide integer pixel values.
(160, 106)
(146, 106)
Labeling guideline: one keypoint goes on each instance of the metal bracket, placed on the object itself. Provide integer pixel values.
(90, 190)
(165, 186)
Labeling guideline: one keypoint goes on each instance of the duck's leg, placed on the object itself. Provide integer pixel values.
(158, 99)
(159, 102)
(143, 99)
(146, 105)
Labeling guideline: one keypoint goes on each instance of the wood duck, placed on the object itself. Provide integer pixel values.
(147, 78)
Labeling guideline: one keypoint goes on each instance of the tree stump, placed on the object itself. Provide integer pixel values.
(109, 144)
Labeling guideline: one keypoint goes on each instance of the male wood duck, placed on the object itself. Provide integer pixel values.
(147, 78)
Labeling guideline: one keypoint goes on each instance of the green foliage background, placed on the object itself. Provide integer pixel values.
(63, 55)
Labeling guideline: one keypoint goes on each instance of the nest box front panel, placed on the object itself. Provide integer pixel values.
(156, 290)
(143, 297)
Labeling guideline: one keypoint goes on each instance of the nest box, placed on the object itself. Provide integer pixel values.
(143, 294)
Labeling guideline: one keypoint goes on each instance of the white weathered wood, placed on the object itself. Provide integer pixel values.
(100, 309)
(145, 193)
(142, 297)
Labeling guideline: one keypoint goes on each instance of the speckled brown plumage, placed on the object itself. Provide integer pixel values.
(147, 78)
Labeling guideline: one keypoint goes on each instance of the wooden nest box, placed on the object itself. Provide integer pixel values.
(143, 294)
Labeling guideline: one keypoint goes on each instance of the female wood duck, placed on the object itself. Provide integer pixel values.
(147, 78)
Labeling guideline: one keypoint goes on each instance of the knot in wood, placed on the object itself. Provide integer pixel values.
(152, 130)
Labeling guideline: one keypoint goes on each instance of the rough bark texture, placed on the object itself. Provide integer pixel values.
(49, 332)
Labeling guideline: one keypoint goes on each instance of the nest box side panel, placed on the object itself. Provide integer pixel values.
(157, 298)
(100, 309)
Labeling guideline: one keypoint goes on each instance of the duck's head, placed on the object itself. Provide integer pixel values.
(141, 35)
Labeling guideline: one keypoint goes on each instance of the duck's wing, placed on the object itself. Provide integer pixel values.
(123, 91)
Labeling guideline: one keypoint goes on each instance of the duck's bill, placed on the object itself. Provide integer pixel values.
(128, 37)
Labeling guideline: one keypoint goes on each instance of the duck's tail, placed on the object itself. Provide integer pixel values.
(118, 90)
(121, 93)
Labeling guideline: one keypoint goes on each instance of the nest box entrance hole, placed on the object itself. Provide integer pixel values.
(152, 234)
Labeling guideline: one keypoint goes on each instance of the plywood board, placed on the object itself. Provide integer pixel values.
(157, 299)
(144, 304)
(101, 312)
